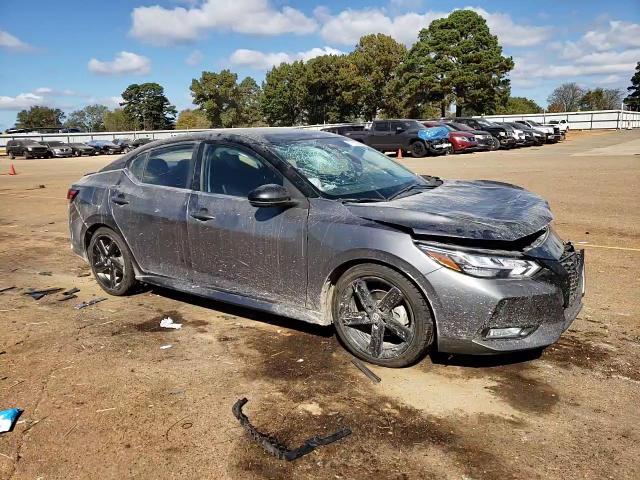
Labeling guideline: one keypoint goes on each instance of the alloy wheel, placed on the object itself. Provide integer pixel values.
(108, 262)
(377, 316)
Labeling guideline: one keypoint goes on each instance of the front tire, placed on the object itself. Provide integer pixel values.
(418, 149)
(381, 317)
(111, 262)
(495, 144)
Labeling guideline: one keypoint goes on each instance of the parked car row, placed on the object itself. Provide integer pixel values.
(444, 136)
(29, 148)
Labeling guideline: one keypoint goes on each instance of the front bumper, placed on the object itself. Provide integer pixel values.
(466, 308)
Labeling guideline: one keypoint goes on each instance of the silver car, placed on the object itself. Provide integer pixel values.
(58, 149)
(318, 227)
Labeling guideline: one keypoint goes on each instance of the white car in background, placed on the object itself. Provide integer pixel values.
(551, 131)
(563, 125)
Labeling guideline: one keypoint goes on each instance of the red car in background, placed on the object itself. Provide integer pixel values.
(461, 141)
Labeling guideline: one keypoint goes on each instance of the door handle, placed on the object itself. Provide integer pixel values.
(119, 199)
(202, 215)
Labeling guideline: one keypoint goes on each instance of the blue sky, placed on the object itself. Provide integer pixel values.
(73, 53)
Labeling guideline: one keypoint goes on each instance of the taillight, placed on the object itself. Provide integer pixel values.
(72, 193)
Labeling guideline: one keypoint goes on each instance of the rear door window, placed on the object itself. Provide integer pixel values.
(169, 166)
(136, 167)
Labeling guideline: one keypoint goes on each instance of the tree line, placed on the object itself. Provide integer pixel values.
(455, 61)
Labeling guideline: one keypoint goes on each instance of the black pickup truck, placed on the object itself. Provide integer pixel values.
(409, 135)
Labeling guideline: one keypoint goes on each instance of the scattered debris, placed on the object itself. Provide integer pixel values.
(33, 424)
(168, 323)
(8, 419)
(105, 410)
(69, 294)
(164, 347)
(364, 369)
(84, 274)
(88, 303)
(6, 289)
(45, 274)
(38, 294)
(300, 360)
(273, 447)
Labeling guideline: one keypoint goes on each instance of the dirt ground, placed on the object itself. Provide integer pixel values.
(101, 399)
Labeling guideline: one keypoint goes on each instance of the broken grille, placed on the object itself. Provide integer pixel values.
(570, 261)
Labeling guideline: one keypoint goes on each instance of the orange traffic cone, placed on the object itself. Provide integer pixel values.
(399, 154)
(12, 170)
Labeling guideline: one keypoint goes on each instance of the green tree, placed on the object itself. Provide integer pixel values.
(88, 119)
(40, 117)
(189, 119)
(225, 102)
(283, 94)
(601, 99)
(516, 105)
(377, 57)
(565, 98)
(118, 121)
(457, 59)
(633, 98)
(148, 106)
(331, 89)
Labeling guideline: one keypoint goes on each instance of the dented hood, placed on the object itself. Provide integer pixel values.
(479, 210)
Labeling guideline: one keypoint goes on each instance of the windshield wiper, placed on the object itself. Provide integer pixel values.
(414, 186)
(362, 200)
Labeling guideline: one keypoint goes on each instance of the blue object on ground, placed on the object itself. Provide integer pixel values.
(8, 418)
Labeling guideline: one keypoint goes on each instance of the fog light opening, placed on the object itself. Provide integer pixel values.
(508, 332)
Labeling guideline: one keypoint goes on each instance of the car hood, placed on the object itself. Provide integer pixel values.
(478, 210)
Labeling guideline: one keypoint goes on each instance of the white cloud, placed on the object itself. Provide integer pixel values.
(349, 25)
(13, 43)
(161, 26)
(21, 101)
(263, 61)
(510, 33)
(195, 58)
(40, 96)
(123, 63)
(616, 34)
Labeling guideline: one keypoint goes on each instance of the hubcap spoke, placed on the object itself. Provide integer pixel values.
(391, 299)
(355, 318)
(375, 344)
(102, 247)
(364, 295)
(397, 328)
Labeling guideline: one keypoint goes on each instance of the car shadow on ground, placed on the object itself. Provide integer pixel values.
(485, 361)
(243, 312)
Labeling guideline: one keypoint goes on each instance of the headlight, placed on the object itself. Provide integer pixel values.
(481, 265)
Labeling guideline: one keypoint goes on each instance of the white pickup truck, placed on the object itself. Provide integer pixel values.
(563, 125)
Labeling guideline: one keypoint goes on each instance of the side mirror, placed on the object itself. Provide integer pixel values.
(270, 195)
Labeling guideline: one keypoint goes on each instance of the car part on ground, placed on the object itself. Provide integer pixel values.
(275, 448)
(322, 228)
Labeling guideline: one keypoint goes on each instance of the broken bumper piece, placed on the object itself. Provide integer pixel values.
(273, 447)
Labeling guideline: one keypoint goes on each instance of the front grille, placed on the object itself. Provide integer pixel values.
(571, 262)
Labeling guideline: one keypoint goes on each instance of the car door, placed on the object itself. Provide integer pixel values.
(149, 205)
(380, 135)
(236, 247)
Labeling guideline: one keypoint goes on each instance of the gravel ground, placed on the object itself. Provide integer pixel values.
(101, 399)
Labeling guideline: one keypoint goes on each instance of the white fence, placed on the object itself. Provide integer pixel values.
(577, 121)
(600, 119)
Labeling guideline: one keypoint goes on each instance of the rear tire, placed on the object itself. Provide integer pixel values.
(111, 262)
(418, 149)
(395, 329)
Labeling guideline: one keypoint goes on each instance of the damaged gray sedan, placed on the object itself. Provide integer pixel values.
(318, 227)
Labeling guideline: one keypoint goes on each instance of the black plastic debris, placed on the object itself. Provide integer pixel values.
(69, 294)
(88, 303)
(38, 294)
(46, 274)
(6, 289)
(275, 448)
(364, 369)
